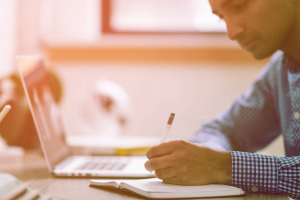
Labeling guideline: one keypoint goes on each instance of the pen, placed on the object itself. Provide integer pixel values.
(167, 128)
(4, 111)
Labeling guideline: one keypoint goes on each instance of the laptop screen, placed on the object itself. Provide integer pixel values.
(44, 110)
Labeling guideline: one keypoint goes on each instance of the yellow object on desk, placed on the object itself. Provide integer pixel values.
(139, 151)
(122, 145)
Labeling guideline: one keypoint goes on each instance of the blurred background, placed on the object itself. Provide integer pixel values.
(163, 55)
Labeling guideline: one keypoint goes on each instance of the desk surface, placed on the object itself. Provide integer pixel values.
(33, 171)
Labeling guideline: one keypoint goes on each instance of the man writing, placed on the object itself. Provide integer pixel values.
(224, 150)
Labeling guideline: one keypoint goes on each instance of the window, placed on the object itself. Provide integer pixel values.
(159, 16)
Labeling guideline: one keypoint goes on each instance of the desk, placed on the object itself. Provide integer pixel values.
(33, 171)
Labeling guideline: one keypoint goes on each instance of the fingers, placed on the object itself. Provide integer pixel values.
(159, 150)
(159, 162)
(184, 163)
(173, 180)
(166, 173)
(148, 166)
(180, 179)
(164, 149)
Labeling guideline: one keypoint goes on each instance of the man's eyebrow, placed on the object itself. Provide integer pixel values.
(223, 5)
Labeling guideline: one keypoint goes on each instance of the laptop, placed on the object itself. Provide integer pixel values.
(59, 156)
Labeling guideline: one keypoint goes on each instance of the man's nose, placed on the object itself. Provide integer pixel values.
(234, 29)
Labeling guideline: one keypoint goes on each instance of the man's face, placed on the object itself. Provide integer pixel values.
(259, 26)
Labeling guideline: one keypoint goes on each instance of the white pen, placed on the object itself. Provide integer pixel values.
(4, 111)
(167, 128)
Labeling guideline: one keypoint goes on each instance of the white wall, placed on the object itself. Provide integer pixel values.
(18, 32)
(70, 21)
(8, 34)
(28, 38)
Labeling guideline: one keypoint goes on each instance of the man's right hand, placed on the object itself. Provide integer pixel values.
(184, 163)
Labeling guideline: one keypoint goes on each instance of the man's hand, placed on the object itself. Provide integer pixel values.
(184, 163)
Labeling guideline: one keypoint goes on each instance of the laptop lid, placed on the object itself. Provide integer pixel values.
(44, 110)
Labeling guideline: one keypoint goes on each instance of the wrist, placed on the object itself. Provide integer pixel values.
(223, 168)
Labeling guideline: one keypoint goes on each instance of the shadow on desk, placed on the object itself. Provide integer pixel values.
(70, 188)
(34, 172)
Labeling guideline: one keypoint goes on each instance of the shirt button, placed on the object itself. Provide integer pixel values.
(296, 115)
(254, 189)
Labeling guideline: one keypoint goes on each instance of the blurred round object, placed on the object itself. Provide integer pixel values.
(105, 109)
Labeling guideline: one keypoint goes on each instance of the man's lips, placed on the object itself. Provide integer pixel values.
(249, 44)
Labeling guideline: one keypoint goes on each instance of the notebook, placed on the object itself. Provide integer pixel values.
(155, 188)
(46, 115)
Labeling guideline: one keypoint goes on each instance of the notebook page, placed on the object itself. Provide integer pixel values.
(155, 185)
(106, 182)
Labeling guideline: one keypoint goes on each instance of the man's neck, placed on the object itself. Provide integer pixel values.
(292, 44)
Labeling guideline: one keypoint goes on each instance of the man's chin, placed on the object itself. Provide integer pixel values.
(259, 55)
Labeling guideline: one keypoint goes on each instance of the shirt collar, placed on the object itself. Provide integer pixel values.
(291, 64)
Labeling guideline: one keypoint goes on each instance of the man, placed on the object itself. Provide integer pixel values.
(269, 108)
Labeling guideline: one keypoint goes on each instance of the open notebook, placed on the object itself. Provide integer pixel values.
(155, 188)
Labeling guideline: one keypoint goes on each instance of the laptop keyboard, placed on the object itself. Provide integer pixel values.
(104, 163)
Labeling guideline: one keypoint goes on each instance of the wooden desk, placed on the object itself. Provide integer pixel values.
(33, 171)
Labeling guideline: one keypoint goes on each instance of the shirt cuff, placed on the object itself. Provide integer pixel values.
(254, 172)
(289, 176)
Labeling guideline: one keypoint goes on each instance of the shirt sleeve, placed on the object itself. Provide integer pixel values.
(266, 174)
(250, 123)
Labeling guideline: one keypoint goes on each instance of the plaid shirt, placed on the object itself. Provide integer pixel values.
(269, 108)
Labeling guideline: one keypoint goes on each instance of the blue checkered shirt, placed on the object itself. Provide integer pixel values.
(269, 108)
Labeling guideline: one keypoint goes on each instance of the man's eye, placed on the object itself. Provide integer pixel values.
(238, 7)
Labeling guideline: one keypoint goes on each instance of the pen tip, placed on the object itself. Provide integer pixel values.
(171, 118)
